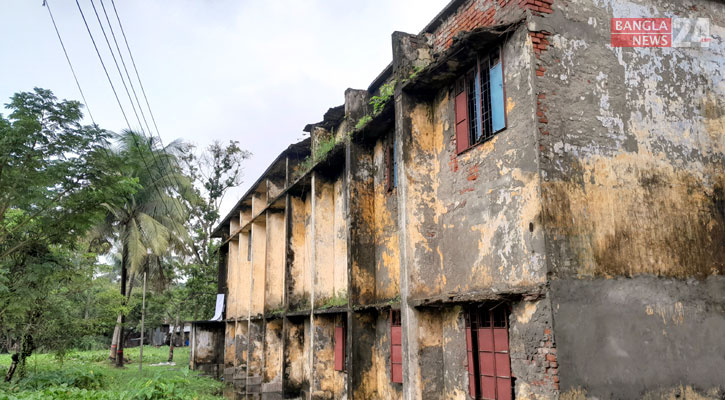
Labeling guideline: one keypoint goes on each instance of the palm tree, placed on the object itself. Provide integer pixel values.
(149, 223)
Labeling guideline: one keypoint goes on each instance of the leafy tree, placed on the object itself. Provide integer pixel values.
(148, 223)
(55, 174)
(213, 172)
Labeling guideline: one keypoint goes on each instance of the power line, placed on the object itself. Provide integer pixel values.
(138, 77)
(113, 88)
(70, 64)
(120, 55)
(133, 62)
(123, 62)
(123, 81)
(143, 90)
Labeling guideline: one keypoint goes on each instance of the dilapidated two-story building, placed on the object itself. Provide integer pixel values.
(514, 208)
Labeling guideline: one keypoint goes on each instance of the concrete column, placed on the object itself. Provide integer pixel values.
(408, 51)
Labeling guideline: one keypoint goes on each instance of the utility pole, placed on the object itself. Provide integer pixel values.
(143, 313)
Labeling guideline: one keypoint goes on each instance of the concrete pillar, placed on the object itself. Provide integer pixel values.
(409, 51)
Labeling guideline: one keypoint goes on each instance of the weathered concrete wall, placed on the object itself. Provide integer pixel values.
(255, 364)
(273, 357)
(362, 234)
(259, 257)
(207, 348)
(259, 200)
(229, 352)
(532, 349)
(632, 189)
(239, 379)
(472, 217)
(327, 383)
(233, 271)
(371, 352)
(621, 338)
(339, 240)
(296, 350)
(387, 238)
(243, 283)
(442, 356)
(324, 242)
(274, 188)
(275, 247)
(299, 274)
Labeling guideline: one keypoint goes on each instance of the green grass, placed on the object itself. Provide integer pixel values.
(88, 375)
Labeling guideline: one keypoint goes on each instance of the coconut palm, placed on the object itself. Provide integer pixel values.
(149, 223)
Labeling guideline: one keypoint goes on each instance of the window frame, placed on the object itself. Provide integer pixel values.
(396, 345)
(482, 322)
(340, 345)
(391, 163)
(479, 106)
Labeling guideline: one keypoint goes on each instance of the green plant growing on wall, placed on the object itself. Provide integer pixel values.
(363, 121)
(337, 300)
(416, 71)
(386, 92)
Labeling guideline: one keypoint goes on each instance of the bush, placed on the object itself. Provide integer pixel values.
(71, 378)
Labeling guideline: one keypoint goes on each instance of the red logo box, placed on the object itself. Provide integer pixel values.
(641, 32)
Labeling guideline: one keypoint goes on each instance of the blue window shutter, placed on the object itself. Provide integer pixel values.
(498, 111)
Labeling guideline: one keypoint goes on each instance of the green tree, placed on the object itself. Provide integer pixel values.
(55, 175)
(150, 222)
(213, 172)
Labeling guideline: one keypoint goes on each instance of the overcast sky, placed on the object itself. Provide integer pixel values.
(252, 71)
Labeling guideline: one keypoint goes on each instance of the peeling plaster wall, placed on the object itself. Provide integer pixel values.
(324, 242)
(239, 379)
(259, 252)
(233, 271)
(229, 349)
(328, 383)
(362, 221)
(299, 270)
(339, 240)
(442, 360)
(330, 241)
(273, 353)
(387, 238)
(207, 348)
(472, 217)
(296, 374)
(243, 284)
(274, 290)
(371, 352)
(255, 364)
(633, 180)
(274, 189)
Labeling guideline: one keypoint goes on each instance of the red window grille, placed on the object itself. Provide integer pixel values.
(487, 349)
(396, 347)
(480, 102)
(340, 337)
(461, 116)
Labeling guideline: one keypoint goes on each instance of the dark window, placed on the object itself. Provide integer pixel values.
(340, 337)
(487, 349)
(479, 102)
(396, 347)
(391, 164)
(249, 245)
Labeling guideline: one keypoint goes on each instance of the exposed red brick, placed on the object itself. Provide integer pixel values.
(550, 357)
